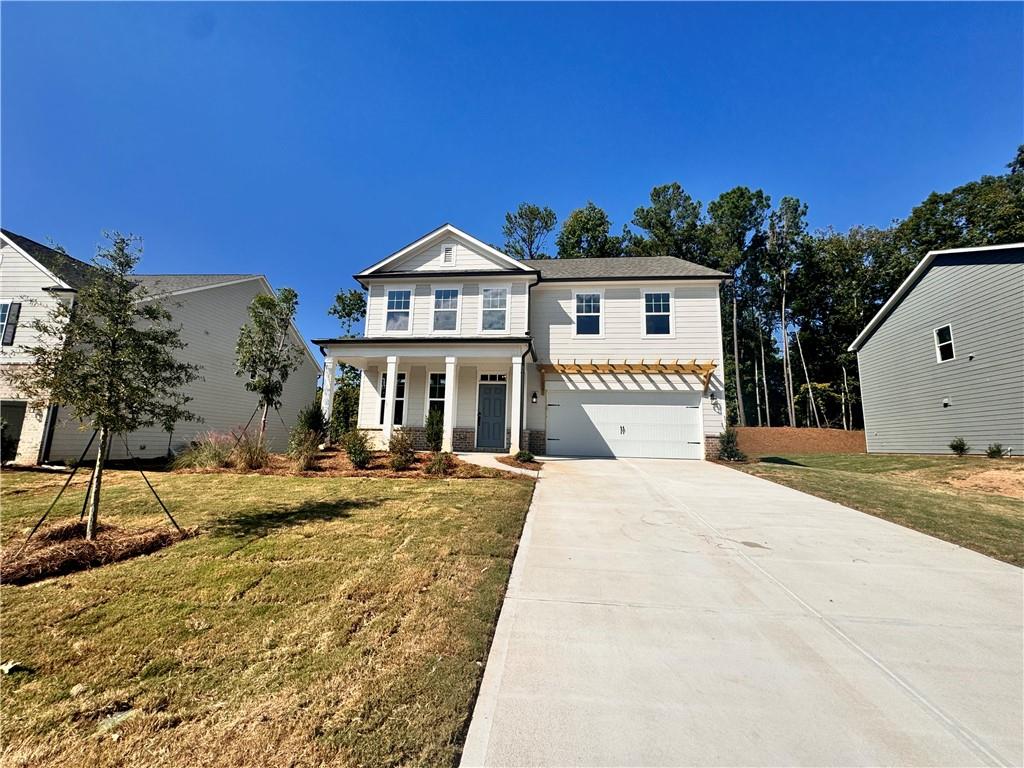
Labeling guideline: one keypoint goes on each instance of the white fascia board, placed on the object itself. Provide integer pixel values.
(445, 230)
(39, 266)
(388, 348)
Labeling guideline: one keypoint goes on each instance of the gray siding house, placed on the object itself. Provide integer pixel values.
(944, 356)
(210, 309)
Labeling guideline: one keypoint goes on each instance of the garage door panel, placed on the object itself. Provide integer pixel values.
(627, 424)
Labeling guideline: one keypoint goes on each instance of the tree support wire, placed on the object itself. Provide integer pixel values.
(138, 465)
(59, 494)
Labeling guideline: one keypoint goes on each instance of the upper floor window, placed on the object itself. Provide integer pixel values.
(9, 311)
(399, 308)
(588, 314)
(944, 343)
(657, 314)
(495, 309)
(446, 309)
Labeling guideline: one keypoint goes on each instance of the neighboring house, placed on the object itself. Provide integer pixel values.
(944, 356)
(210, 309)
(582, 357)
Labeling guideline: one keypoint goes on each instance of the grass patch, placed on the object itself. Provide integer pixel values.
(975, 502)
(313, 621)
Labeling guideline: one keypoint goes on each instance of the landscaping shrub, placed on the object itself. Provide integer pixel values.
(524, 457)
(208, 451)
(357, 446)
(435, 430)
(441, 464)
(959, 446)
(303, 448)
(250, 453)
(728, 446)
(996, 451)
(400, 452)
(311, 419)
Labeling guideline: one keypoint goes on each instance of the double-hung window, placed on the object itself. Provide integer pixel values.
(399, 418)
(588, 314)
(495, 308)
(446, 309)
(5, 308)
(399, 310)
(944, 344)
(435, 393)
(657, 313)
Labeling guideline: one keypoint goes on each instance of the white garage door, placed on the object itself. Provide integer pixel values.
(657, 425)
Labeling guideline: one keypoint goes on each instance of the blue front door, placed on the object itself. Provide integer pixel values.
(490, 422)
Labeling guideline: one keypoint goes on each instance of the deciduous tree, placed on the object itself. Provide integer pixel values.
(585, 235)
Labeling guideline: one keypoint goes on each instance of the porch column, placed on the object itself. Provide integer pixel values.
(450, 382)
(327, 394)
(515, 433)
(391, 389)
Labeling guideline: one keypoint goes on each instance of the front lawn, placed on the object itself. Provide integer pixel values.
(971, 501)
(313, 621)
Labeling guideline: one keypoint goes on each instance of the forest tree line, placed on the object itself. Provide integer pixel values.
(797, 298)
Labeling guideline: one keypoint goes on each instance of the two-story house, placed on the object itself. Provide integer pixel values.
(582, 357)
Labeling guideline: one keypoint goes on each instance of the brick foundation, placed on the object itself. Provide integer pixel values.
(710, 446)
(536, 442)
(33, 428)
(464, 439)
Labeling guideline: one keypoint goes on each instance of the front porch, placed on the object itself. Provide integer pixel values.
(477, 387)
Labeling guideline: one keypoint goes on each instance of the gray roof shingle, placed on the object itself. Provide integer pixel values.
(67, 268)
(160, 284)
(622, 268)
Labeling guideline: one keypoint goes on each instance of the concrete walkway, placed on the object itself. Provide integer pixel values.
(683, 613)
(491, 460)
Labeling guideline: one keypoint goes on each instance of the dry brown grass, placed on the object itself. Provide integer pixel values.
(316, 621)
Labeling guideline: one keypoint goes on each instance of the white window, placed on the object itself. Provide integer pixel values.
(944, 344)
(657, 313)
(435, 393)
(493, 377)
(9, 313)
(588, 314)
(448, 254)
(399, 418)
(494, 316)
(5, 307)
(399, 310)
(446, 309)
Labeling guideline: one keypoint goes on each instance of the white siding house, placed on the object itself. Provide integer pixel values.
(601, 357)
(210, 309)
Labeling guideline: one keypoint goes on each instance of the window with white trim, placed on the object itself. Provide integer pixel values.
(588, 314)
(399, 310)
(944, 344)
(5, 307)
(657, 313)
(495, 308)
(399, 417)
(435, 393)
(493, 377)
(446, 309)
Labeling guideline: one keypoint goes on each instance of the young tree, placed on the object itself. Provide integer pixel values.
(673, 225)
(350, 309)
(526, 229)
(264, 352)
(585, 235)
(109, 358)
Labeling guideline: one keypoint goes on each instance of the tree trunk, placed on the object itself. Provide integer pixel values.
(787, 373)
(847, 424)
(263, 421)
(764, 379)
(94, 494)
(740, 415)
(812, 405)
(757, 394)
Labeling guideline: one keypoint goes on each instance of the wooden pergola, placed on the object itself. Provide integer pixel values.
(703, 370)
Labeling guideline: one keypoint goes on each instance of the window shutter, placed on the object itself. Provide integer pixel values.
(12, 323)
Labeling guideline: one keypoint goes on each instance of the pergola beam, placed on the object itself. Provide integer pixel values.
(703, 370)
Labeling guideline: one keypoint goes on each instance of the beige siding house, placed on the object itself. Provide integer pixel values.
(586, 357)
(210, 309)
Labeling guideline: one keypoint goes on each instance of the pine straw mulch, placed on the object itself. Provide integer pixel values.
(333, 462)
(59, 549)
(511, 461)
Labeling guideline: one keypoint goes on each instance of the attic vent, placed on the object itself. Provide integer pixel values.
(448, 254)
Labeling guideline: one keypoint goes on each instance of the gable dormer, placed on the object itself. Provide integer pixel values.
(446, 249)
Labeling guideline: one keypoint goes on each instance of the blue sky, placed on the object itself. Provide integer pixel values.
(306, 141)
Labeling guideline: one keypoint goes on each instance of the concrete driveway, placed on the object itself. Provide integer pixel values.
(683, 613)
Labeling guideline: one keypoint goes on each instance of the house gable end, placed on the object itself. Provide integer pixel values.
(446, 249)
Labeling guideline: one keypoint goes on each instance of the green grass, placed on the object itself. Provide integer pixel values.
(313, 621)
(975, 502)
